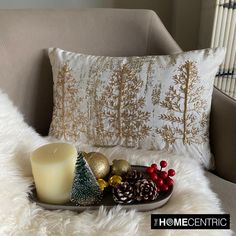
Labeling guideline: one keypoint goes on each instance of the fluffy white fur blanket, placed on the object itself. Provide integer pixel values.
(18, 216)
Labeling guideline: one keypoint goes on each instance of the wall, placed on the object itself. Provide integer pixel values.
(206, 23)
(181, 17)
(186, 23)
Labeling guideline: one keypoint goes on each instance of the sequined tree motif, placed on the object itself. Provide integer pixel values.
(68, 120)
(122, 109)
(97, 132)
(156, 92)
(184, 105)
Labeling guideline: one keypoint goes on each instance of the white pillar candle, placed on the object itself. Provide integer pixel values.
(53, 171)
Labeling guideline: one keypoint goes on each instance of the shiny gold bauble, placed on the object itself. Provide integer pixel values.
(115, 180)
(120, 167)
(102, 184)
(98, 164)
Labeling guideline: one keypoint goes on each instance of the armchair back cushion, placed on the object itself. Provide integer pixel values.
(25, 71)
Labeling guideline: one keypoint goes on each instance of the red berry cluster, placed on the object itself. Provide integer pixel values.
(162, 178)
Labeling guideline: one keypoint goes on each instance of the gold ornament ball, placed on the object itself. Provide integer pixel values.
(98, 164)
(120, 167)
(102, 184)
(115, 180)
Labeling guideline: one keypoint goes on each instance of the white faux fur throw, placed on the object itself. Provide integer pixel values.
(18, 216)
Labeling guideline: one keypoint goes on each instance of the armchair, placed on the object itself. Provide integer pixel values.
(25, 72)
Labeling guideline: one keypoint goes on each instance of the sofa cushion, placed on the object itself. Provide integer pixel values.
(226, 191)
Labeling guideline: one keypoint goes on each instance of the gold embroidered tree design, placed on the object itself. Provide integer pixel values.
(97, 132)
(122, 110)
(156, 92)
(68, 120)
(184, 108)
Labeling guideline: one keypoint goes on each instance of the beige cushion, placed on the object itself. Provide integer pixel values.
(226, 191)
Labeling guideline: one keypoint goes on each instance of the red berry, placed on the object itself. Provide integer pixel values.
(154, 176)
(149, 170)
(164, 187)
(169, 181)
(171, 172)
(158, 189)
(159, 182)
(163, 174)
(154, 166)
(163, 164)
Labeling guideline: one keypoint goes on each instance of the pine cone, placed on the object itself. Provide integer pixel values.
(145, 190)
(124, 193)
(133, 176)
